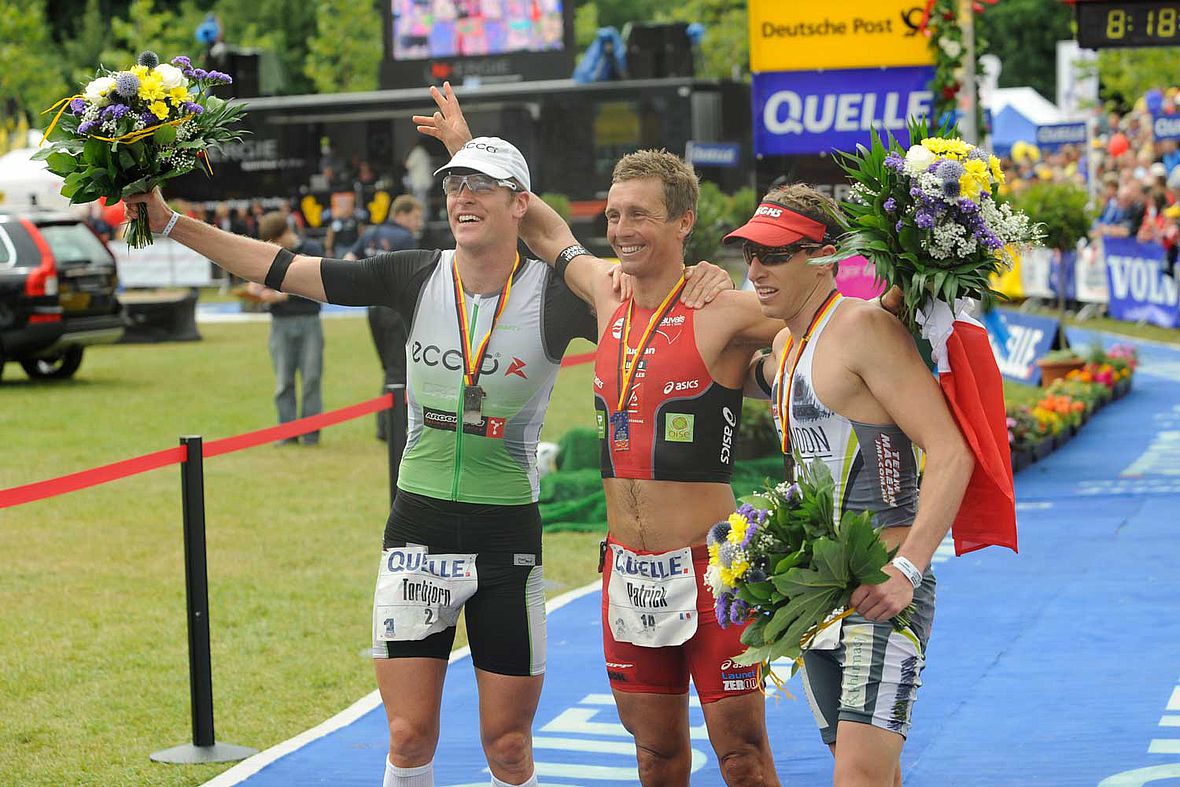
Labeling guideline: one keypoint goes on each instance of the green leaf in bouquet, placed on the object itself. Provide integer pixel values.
(759, 592)
(831, 560)
(809, 612)
(752, 634)
(754, 655)
(126, 158)
(61, 163)
(865, 551)
(757, 500)
(96, 152)
(138, 186)
(787, 562)
(164, 135)
(45, 152)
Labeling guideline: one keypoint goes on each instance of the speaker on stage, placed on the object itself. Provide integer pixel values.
(655, 51)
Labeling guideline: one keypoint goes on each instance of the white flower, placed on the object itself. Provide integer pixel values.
(917, 159)
(713, 580)
(951, 47)
(171, 76)
(97, 90)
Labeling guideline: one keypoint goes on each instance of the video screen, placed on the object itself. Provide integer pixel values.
(428, 29)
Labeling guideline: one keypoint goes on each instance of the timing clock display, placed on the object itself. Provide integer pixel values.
(1128, 23)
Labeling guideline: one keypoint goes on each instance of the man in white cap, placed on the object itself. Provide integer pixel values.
(486, 332)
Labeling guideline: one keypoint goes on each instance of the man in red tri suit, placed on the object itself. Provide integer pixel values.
(668, 393)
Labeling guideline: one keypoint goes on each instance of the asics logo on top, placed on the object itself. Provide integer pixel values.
(727, 434)
(681, 385)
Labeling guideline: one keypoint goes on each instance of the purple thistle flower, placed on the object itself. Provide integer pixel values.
(726, 554)
(894, 161)
(87, 127)
(756, 575)
(127, 84)
(717, 533)
(192, 107)
(924, 219)
(180, 61)
(721, 609)
(890, 205)
(114, 112)
(78, 106)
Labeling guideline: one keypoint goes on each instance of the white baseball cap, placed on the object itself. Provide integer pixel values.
(491, 156)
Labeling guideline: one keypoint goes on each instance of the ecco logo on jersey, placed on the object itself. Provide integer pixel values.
(433, 355)
(766, 210)
(681, 385)
(727, 434)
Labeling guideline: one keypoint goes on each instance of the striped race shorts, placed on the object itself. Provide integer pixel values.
(872, 676)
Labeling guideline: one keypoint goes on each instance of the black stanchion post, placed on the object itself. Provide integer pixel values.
(204, 747)
(395, 433)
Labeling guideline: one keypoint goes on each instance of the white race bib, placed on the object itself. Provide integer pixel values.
(419, 594)
(653, 598)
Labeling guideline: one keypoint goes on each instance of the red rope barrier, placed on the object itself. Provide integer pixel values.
(95, 476)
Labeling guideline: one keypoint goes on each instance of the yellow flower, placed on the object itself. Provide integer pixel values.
(736, 571)
(178, 95)
(970, 187)
(139, 71)
(159, 109)
(150, 89)
(738, 525)
(714, 553)
(994, 165)
(954, 148)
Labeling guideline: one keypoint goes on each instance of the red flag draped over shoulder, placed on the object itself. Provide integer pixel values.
(974, 391)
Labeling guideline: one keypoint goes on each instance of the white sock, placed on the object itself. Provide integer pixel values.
(422, 776)
(529, 782)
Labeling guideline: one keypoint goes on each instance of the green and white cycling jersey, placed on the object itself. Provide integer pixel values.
(493, 461)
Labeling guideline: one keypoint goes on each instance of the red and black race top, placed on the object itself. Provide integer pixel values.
(680, 424)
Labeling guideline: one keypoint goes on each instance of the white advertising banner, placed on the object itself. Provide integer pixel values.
(1034, 272)
(1090, 275)
(165, 263)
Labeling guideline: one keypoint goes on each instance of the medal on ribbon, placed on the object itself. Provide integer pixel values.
(473, 392)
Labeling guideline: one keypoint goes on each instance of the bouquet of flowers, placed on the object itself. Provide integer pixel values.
(928, 218)
(783, 562)
(129, 131)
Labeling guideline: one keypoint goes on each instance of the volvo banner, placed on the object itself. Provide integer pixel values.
(800, 112)
(1140, 288)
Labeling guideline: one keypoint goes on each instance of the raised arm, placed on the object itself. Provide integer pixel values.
(244, 257)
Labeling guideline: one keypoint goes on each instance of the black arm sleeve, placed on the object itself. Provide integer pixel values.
(760, 377)
(565, 317)
(393, 279)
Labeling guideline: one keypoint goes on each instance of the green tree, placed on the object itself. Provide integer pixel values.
(90, 33)
(278, 26)
(1024, 35)
(345, 52)
(167, 32)
(1126, 74)
(30, 79)
(725, 50)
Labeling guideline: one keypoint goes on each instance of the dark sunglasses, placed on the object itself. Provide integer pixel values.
(774, 255)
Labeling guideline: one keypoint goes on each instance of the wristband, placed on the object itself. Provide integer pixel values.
(171, 223)
(908, 569)
(566, 255)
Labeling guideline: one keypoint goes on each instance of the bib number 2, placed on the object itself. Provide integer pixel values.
(419, 594)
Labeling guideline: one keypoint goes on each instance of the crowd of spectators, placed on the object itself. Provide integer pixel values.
(1133, 177)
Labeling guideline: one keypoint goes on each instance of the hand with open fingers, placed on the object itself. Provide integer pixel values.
(704, 282)
(447, 124)
(153, 201)
(622, 282)
(881, 602)
(890, 300)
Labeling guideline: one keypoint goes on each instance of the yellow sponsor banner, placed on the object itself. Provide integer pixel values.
(1008, 283)
(803, 35)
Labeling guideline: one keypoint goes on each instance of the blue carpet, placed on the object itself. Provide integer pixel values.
(1058, 666)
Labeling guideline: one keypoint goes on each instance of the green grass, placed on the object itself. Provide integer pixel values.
(93, 648)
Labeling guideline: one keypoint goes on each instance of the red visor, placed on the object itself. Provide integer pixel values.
(775, 225)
